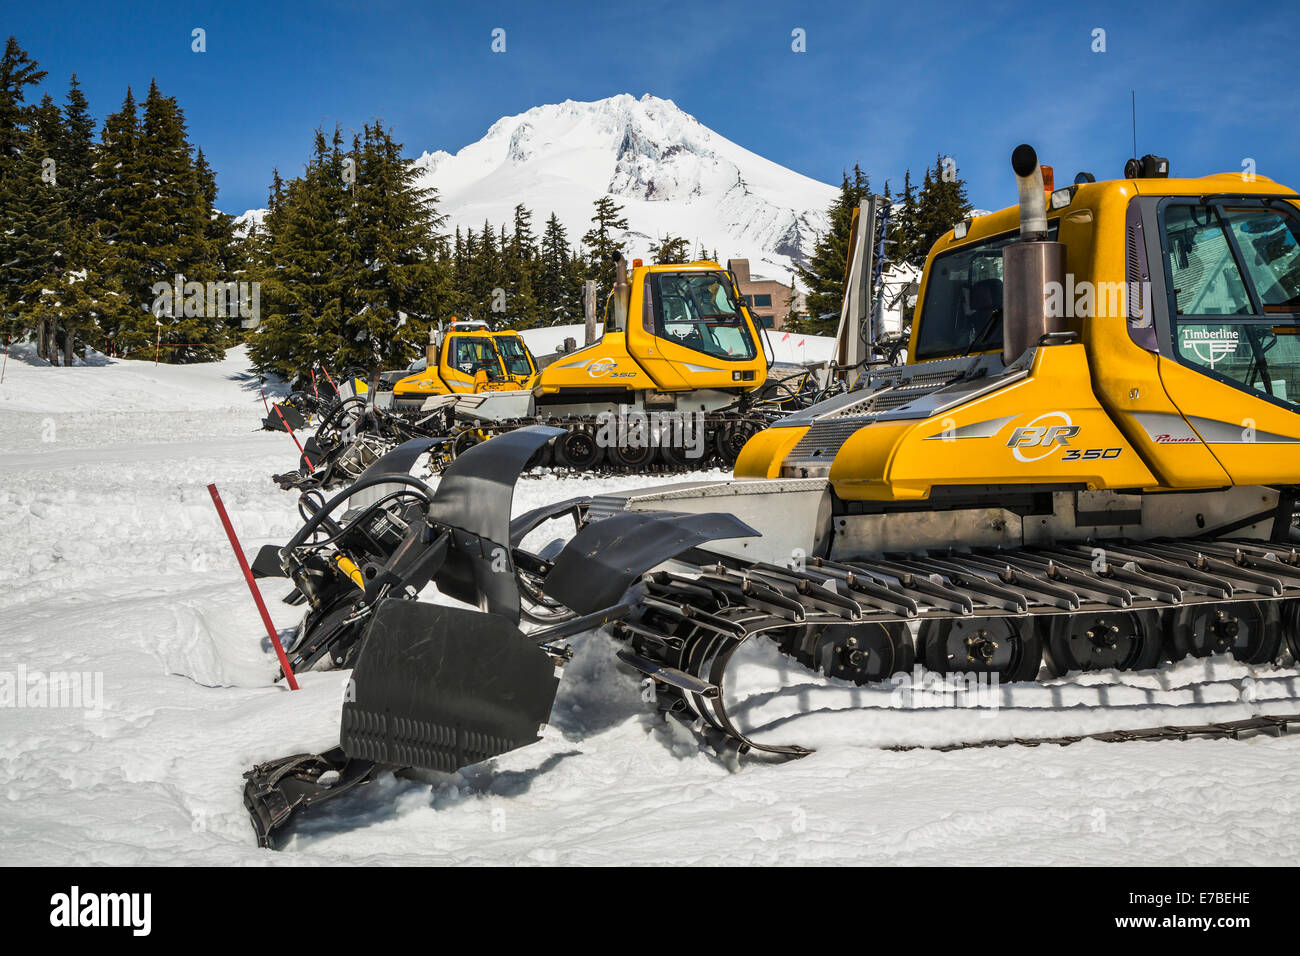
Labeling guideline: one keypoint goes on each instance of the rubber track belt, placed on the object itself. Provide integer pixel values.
(1271, 725)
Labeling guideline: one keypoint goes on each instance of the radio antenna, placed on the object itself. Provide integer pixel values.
(1134, 108)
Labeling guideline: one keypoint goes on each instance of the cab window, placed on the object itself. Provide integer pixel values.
(515, 355)
(699, 310)
(470, 355)
(962, 311)
(1234, 279)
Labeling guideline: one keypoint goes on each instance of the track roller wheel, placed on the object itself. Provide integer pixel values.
(861, 653)
(1097, 640)
(578, 449)
(1010, 647)
(631, 457)
(542, 458)
(674, 458)
(1291, 627)
(1251, 631)
(730, 438)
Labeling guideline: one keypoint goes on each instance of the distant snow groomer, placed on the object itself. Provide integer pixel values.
(468, 359)
(677, 342)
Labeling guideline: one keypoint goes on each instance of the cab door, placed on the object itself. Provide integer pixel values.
(1232, 283)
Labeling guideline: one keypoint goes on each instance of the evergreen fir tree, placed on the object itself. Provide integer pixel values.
(521, 271)
(670, 249)
(18, 71)
(174, 223)
(76, 156)
(940, 206)
(395, 222)
(556, 278)
(824, 274)
(120, 192)
(607, 219)
(306, 291)
(38, 225)
(903, 228)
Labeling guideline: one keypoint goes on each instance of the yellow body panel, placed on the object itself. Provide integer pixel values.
(762, 455)
(603, 364)
(1143, 421)
(1248, 436)
(1046, 429)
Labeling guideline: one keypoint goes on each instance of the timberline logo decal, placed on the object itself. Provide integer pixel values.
(1048, 436)
(74, 909)
(1210, 345)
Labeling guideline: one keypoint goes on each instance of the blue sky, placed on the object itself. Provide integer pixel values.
(886, 86)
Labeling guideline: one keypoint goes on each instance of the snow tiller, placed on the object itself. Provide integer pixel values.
(441, 687)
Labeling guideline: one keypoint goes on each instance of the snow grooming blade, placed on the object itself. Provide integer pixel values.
(440, 688)
(431, 666)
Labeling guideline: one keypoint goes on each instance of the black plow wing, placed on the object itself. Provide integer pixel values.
(607, 557)
(441, 688)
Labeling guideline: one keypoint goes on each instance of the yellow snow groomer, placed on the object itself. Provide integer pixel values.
(469, 359)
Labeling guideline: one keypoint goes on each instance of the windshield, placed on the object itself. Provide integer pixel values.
(699, 311)
(472, 354)
(515, 355)
(1234, 276)
(963, 299)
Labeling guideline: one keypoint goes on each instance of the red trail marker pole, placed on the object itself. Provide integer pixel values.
(294, 437)
(252, 586)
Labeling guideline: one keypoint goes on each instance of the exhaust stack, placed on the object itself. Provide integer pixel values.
(1030, 265)
(1033, 194)
(622, 294)
(435, 343)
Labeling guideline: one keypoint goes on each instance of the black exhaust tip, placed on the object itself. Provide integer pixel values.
(1024, 160)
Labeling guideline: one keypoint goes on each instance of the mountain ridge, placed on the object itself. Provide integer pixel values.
(672, 174)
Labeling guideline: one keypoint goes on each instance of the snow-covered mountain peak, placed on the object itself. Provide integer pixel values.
(671, 173)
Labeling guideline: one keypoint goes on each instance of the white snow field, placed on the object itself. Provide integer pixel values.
(115, 565)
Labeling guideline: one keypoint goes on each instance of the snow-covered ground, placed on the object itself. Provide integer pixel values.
(115, 565)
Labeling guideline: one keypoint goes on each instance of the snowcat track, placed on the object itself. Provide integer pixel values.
(1263, 725)
(693, 622)
(341, 463)
(719, 427)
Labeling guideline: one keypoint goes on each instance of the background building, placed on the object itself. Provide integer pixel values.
(767, 299)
